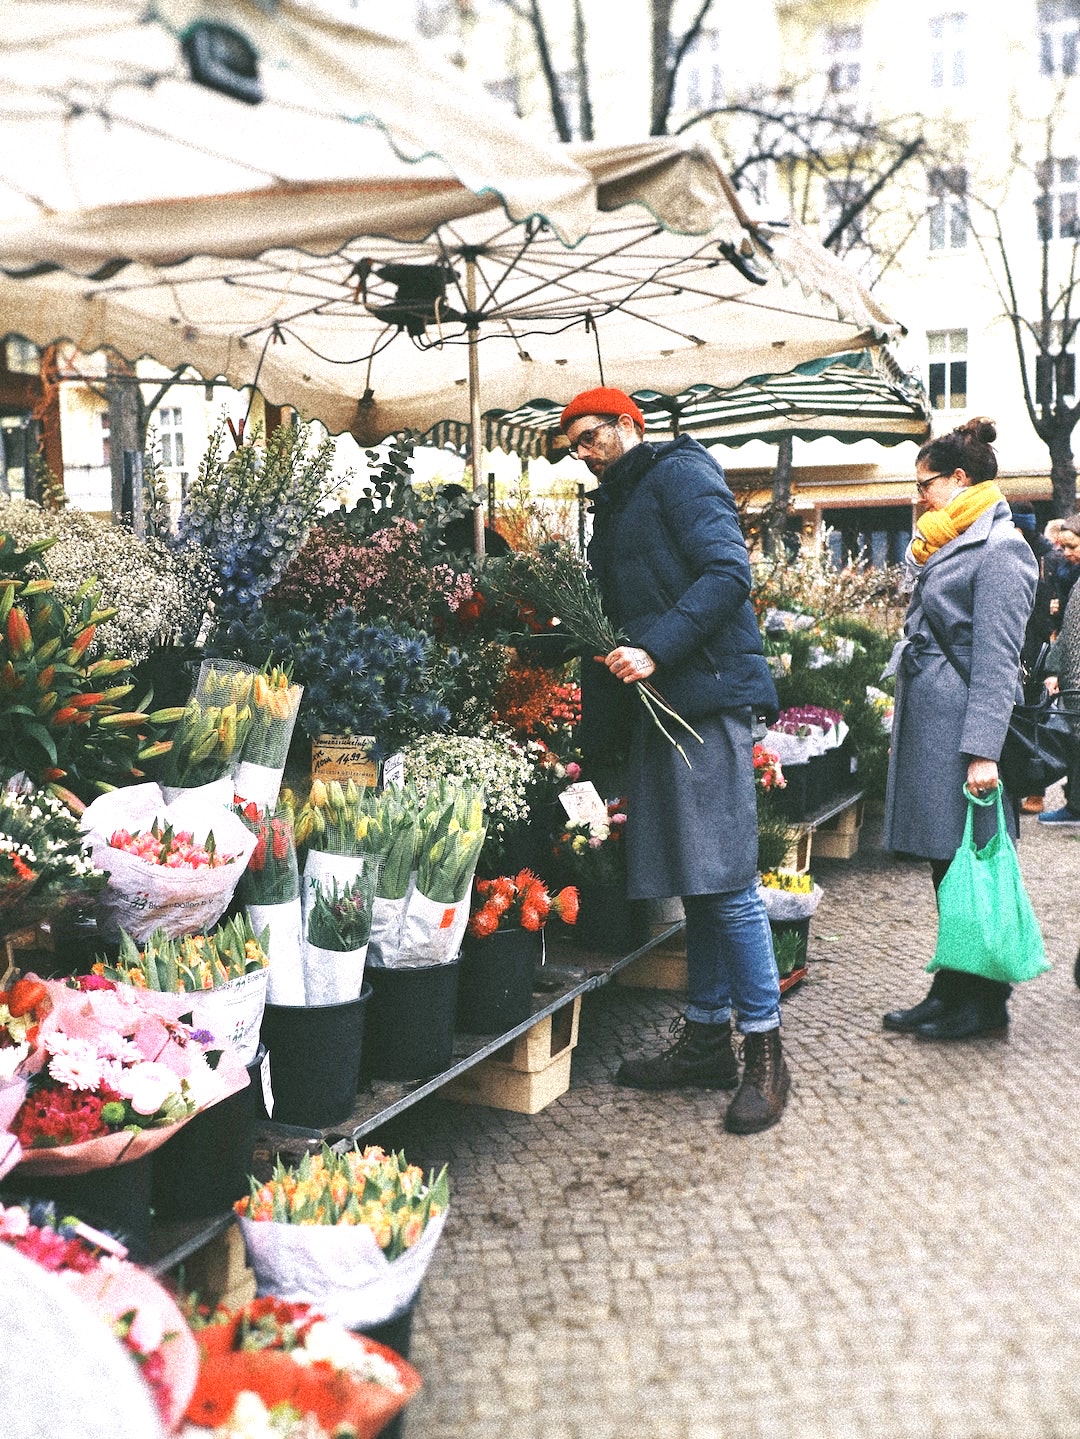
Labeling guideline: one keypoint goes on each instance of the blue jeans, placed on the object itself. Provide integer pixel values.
(730, 962)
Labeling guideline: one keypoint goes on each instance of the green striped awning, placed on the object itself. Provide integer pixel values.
(849, 397)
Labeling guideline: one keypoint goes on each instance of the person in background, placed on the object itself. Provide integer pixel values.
(673, 571)
(1040, 626)
(957, 680)
(1065, 569)
(1063, 680)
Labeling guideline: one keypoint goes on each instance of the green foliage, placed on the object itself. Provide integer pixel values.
(775, 835)
(392, 496)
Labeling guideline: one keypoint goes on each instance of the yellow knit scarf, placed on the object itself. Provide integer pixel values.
(938, 527)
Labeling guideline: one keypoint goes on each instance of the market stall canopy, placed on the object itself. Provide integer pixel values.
(347, 281)
(158, 132)
(860, 396)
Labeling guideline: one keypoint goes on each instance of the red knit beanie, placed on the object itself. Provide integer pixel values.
(604, 401)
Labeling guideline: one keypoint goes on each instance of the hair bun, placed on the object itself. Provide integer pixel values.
(981, 428)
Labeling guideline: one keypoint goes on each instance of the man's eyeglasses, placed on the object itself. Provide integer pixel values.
(587, 438)
(923, 485)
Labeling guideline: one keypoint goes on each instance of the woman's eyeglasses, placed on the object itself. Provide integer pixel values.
(923, 485)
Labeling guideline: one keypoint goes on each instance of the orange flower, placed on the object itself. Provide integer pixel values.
(566, 904)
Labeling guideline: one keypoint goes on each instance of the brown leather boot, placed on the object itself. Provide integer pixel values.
(701, 1056)
(763, 1092)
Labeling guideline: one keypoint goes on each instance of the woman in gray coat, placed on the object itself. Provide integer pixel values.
(957, 679)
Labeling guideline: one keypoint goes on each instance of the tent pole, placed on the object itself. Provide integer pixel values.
(476, 438)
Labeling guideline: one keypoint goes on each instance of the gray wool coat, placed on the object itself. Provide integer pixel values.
(978, 591)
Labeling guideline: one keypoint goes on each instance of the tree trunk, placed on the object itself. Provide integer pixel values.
(1062, 473)
(780, 508)
(124, 428)
(660, 106)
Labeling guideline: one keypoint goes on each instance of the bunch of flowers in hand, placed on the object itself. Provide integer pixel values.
(768, 774)
(283, 1371)
(519, 901)
(171, 848)
(594, 851)
(44, 865)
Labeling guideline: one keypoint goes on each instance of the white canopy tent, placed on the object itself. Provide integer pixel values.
(352, 283)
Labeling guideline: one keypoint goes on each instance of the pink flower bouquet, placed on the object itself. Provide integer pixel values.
(112, 1075)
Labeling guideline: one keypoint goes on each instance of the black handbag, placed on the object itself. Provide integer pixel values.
(1037, 748)
(1039, 742)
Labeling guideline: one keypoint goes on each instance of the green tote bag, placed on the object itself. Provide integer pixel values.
(986, 924)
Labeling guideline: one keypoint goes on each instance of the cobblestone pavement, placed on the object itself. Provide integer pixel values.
(897, 1258)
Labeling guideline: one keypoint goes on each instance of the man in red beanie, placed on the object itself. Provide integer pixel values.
(669, 558)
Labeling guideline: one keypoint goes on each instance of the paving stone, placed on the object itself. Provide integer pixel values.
(896, 1260)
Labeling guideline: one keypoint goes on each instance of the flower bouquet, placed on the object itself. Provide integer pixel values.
(593, 851)
(225, 972)
(337, 927)
(790, 900)
(275, 701)
(802, 732)
(213, 728)
(173, 866)
(521, 901)
(44, 863)
(282, 1369)
(110, 1079)
(768, 772)
(270, 892)
(141, 1314)
(451, 835)
(351, 1233)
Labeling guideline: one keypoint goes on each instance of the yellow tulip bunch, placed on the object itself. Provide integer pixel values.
(213, 728)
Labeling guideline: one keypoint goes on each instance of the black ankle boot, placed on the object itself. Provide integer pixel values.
(966, 1020)
(943, 990)
(700, 1056)
(764, 1089)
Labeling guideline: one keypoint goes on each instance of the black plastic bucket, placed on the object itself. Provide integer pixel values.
(396, 1334)
(410, 1027)
(115, 1199)
(495, 984)
(315, 1059)
(204, 1169)
(609, 922)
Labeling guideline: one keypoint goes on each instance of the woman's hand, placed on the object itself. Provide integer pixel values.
(629, 664)
(1051, 686)
(982, 776)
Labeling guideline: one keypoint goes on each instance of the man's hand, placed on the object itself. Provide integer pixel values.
(628, 664)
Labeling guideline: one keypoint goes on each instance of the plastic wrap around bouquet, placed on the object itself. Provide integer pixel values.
(131, 1304)
(420, 916)
(275, 701)
(112, 1073)
(270, 892)
(222, 975)
(789, 896)
(351, 1234)
(274, 1357)
(171, 866)
(804, 732)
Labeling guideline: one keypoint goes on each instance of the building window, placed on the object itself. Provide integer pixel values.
(948, 209)
(947, 68)
(1059, 36)
(877, 535)
(698, 81)
(171, 438)
(843, 44)
(948, 369)
(21, 357)
(840, 196)
(1055, 207)
(1055, 372)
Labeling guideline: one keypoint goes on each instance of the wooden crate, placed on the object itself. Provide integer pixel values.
(502, 1087)
(219, 1273)
(797, 859)
(661, 968)
(838, 838)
